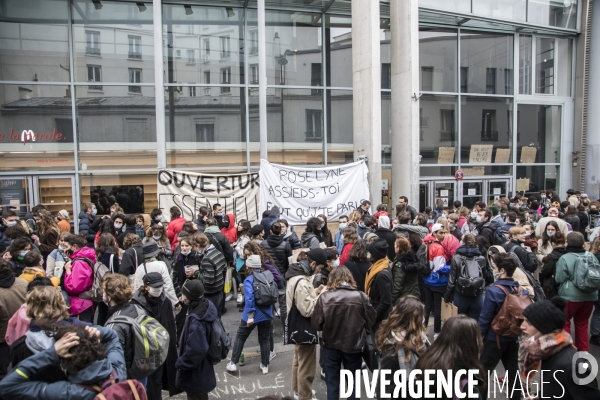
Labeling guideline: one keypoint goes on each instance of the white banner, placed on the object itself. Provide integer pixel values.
(302, 193)
(238, 194)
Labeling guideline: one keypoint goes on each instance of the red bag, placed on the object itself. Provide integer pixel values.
(112, 389)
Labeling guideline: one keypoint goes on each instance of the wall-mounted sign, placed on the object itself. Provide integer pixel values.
(459, 174)
(28, 136)
(481, 154)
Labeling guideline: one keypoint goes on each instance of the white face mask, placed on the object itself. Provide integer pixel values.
(336, 263)
(155, 292)
(10, 223)
(118, 226)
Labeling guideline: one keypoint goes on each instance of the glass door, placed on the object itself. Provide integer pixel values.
(444, 192)
(472, 193)
(56, 193)
(424, 195)
(497, 189)
(15, 194)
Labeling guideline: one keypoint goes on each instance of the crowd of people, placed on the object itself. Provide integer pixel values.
(78, 309)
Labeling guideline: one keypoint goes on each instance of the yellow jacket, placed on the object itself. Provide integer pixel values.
(30, 273)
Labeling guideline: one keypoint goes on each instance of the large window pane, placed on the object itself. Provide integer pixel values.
(461, 6)
(525, 57)
(338, 42)
(135, 193)
(508, 9)
(34, 40)
(201, 39)
(207, 127)
(560, 13)
(486, 64)
(487, 121)
(112, 40)
(438, 127)
(340, 138)
(539, 127)
(293, 47)
(36, 128)
(116, 130)
(564, 64)
(437, 60)
(386, 128)
(540, 178)
(544, 66)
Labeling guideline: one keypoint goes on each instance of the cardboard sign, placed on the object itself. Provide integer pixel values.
(523, 185)
(481, 154)
(446, 155)
(476, 171)
(502, 156)
(528, 154)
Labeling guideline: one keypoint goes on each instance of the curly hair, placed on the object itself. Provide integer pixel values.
(88, 350)
(130, 240)
(47, 222)
(117, 287)
(46, 303)
(350, 235)
(339, 276)
(407, 316)
(403, 246)
(255, 248)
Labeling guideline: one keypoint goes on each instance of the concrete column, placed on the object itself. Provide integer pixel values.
(592, 173)
(404, 26)
(262, 79)
(159, 94)
(366, 80)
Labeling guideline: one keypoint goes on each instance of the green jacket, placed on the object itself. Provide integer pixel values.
(405, 277)
(564, 276)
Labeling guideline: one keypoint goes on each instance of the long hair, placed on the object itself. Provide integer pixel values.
(106, 243)
(338, 277)
(545, 237)
(157, 230)
(458, 345)
(325, 230)
(403, 246)
(358, 252)
(255, 248)
(107, 226)
(354, 217)
(407, 317)
(246, 226)
(350, 234)
(47, 222)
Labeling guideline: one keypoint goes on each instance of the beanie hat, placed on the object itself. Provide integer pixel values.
(317, 255)
(253, 262)
(495, 210)
(547, 315)
(378, 249)
(193, 289)
(256, 230)
(64, 214)
(384, 222)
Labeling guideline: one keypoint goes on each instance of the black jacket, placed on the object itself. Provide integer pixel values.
(127, 231)
(124, 331)
(279, 250)
(548, 270)
(359, 272)
(85, 227)
(528, 259)
(293, 240)
(381, 295)
(223, 242)
(390, 238)
(487, 231)
(574, 221)
(132, 258)
(456, 269)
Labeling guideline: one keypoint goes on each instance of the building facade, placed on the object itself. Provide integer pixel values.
(97, 95)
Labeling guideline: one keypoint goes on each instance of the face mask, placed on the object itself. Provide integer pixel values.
(156, 237)
(430, 221)
(220, 214)
(478, 219)
(451, 226)
(118, 226)
(225, 224)
(155, 292)
(11, 223)
(158, 218)
(94, 212)
(474, 215)
(543, 197)
(503, 215)
(527, 233)
(343, 225)
(336, 263)
(23, 253)
(362, 225)
(105, 299)
(186, 253)
(550, 234)
(497, 275)
(322, 225)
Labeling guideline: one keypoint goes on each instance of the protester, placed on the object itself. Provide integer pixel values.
(349, 237)
(453, 226)
(218, 240)
(63, 221)
(310, 237)
(12, 294)
(87, 216)
(405, 271)
(553, 215)
(403, 203)
(17, 252)
(149, 264)
(595, 323)
(278, 248)
(156, 217)
(321, 275)
(34, 267)
(339, 236)
(270, 219)
(323, 232)
(378, 281)
(133, 256)
(516, 245)
(79, 277)
(289, 236)
(384, 232)
(548, 270)
(435, 283)
(229, 228)
(366, 225)
(257, 234)
(48, 230)
(211, 269)
(175, 225)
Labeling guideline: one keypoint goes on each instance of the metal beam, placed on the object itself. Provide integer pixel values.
(328, 5)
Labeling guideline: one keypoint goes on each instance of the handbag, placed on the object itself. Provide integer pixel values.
(370, 353)
(239, 263)
(449, 310)
(228, 284)
(298, 328)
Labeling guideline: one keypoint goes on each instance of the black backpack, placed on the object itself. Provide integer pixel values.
(497, 237)
(470, 279)
(535, 284)
(423, 258)
(219, 343)
(265, 289)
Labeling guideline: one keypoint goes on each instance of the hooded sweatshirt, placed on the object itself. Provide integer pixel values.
(270, 220)
(231, 232)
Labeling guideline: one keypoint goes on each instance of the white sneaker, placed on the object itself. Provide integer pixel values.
(229, 296)
(265, 370)
(363, 365)
(313, 398)
(272, 355)
(240, 298)
(231, 367)
(435, 336)
(277, 314)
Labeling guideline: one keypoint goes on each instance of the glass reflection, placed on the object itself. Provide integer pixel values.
(438, 127)
(340, 127)
(539, 127)
(437, 59)
(559, 13)
(508, 9)
(540, 178)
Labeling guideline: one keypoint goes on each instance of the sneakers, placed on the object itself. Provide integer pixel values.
(265, 370)
(435, 336)
(229, 296)
(242, 360)
(231, 367)
(313, 398)
(240, 298)
(363, 365)
(272, 355)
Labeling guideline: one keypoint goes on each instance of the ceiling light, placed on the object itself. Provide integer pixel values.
(188, 10)
(97, 4)
(141, 7)
(230, 12)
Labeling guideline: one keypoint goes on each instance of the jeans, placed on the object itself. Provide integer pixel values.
(333, 364)
(154, 385)
(264, 332)
(86, 315)
(433, 301)
(216, 299)
(468, 305)
(508, 353)
(595, 328)
(580, 311)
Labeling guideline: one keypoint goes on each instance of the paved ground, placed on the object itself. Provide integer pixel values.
(250, 383)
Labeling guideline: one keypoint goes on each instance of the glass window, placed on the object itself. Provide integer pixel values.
(207, 77)
(386, 128)
(492, 128)
(116, 36)
(293, 44)
(386, 76)
(135, 76)
(210, 127)
(36, 128)
(508, 9)
(437, 58)
(94, 76)
(525, 56)
(564, 64)
(216, 38)
(461, 6)
(544, 66)
(338, 42)
(484, 60)
(34, 40)
(560, 13)
(135, 193)
(539, 127)
(540, 178)
(340, 139)
(116, 129)
(438, 127)
(254, 74)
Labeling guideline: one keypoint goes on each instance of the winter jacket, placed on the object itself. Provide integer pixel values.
(339, 309)
(124, 330)
(541, 226)
(179, 265)
(492, 302)
(456, 269)
(487, 230)
(381, 295)
(231, 232)
(422, 231)
(564, 277)
(305, 295)
(462, 220)
(548, 272)
(20, 383)
(543, 251)
(338, 239)
(358, 269)
(195, 372)
(310, 241)
(126, 230)
(390, 238)
(132, 258)
(18, 325)
(405, 276)
(48, 242)
(80, 280)
(251, 309)
(270, 220)
(214, 235)
(437, 254)
(105, 259)
(238, 247)
(574, 222)
(55, 263)
(12, 296)
(161, 268)
(528, 259)
(173, 229)
(292, 239)
(279, 250)
(345, 254)
(29, 274)
(450, 245)
(85, 227)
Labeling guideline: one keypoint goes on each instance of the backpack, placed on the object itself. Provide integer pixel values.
(503, 233)
(497, 237)
(150, 343)
(99, 271)
(423, 258)
(538, 291)
(470, 279)
(510, 317)
(219, 342)
(112, 389)
(586, 273)
(265, 289)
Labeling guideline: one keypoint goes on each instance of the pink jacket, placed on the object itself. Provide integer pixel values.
(18, 325)
(80, 280)
(450, 244)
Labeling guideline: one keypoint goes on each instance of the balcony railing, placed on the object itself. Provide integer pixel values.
(135, 55)
(93, 51)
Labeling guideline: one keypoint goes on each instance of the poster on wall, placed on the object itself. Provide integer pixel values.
(481, 154)
(188, 191)
(302, 193)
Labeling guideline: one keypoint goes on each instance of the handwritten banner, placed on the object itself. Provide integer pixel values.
(238, 194)
(302, 193)
(481, 154)
(446, 155)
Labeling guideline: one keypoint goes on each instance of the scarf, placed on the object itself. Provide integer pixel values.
(542, 348)
(375, 269)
